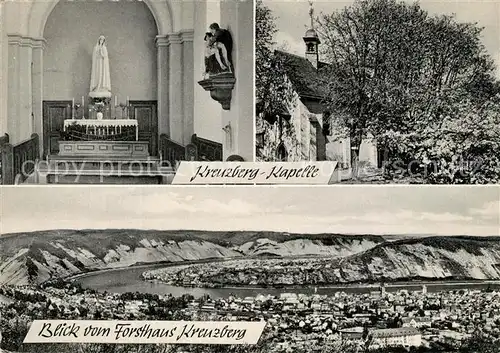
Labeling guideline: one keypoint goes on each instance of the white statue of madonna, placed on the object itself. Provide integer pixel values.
(100, 81)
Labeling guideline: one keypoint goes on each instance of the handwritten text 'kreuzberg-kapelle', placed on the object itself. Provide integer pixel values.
(239, 172)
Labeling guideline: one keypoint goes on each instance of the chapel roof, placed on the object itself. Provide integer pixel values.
(305, 78)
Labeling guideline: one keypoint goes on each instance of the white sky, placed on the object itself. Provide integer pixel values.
(293, 19)
(353, 209)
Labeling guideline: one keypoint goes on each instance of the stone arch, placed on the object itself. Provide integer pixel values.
(41, 10)
(281, 153)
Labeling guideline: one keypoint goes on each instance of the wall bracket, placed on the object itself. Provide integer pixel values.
(220, 87)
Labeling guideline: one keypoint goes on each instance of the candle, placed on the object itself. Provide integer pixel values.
(127, 100)
(73, 108)
(116, 100)
(83, 101)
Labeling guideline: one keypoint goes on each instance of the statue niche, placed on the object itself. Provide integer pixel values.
(218, 77)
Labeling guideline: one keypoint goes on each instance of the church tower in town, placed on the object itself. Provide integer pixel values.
(382, 289)
(311, 40)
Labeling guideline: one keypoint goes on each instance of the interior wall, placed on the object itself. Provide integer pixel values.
(237, 17)
(3, 71)
(207, 112)
(72, 31)
(246, 114)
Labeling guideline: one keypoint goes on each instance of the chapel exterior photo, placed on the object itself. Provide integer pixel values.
(117, 91)
(302, 131)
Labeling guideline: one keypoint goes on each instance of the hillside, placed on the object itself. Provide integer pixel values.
(272, 257)
(432, 258)
(37, 256)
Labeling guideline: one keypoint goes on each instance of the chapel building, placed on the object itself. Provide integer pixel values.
(302, 131)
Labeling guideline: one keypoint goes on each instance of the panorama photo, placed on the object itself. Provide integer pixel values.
(351, 270)
(395, 91)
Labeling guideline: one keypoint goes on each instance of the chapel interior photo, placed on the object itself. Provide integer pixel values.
(120, 91)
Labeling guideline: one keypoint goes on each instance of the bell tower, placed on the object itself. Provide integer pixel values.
(311, 40)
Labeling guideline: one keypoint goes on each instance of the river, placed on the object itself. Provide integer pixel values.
(130, 280)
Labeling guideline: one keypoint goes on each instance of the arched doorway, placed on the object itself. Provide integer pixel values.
(281, 153)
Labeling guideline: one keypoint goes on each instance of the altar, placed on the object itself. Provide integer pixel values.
(93, 129)
(100, 137)
(107, 149)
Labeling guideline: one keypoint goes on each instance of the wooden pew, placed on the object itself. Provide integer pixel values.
(199, 149)
(4, 140)
(19, 160)
(207, 150)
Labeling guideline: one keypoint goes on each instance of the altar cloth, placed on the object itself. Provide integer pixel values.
(103, 124)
